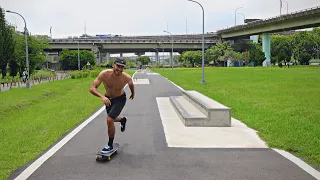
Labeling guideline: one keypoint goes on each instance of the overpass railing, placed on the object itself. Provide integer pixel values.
(129, 41)
(305, 12)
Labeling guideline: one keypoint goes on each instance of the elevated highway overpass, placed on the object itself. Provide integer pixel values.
(307, 18)
(134, 44)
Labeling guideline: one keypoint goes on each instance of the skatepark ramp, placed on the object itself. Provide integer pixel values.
(196, 109)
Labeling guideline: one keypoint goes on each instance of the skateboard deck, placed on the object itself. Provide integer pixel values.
(104, 157)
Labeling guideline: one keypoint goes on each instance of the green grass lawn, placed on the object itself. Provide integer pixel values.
(34, 119)
(283, 104)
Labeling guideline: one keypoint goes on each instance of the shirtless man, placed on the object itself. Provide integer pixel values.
(115, 98)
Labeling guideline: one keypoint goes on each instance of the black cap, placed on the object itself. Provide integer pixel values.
(120, 62)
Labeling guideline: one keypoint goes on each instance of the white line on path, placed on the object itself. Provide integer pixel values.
(300, 163)
(36, 164)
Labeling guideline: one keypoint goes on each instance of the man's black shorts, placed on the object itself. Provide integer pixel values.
(117, 105)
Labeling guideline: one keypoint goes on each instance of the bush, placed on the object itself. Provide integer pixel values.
(314, 61)
(85, 74)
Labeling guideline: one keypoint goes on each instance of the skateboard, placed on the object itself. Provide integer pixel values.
(103, 157)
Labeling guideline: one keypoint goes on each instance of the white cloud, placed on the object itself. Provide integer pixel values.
(138, 17)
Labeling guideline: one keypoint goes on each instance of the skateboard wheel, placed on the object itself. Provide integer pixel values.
(109, 158)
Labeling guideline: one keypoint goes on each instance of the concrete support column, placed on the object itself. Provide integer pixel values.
(157, 57)
(171, 58)
(108, 57)
(121, 55)
(266, 48)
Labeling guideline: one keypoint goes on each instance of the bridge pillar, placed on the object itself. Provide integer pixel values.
(121, 54)
(157, 57)
(171, 57)
(108, 57)
(266, 48)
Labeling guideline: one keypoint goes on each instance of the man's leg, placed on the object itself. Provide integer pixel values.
(111, 128)
(120, 103)
(111, 131)
(122, 121)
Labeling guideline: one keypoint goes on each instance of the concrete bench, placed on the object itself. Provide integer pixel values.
(196, 109)
(189, 114)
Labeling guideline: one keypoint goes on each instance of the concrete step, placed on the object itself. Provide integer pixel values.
(188, 113)
(219, 114)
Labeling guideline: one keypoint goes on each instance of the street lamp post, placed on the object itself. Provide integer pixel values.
(244, 18)
(203, 80)
(26, 37)
(171, 50)
(78, 57)
(235, 15)
(162, 54)
(287, 5)
(280, 6)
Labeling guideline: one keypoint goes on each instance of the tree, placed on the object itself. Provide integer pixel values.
(242, 46)
(69, 59)
(246, 57)
(281, 48)
(213, 53)
(36, 46)
(192, 57)
(256, 54)
(144, 60)
(305, 43)
(6, 44)
(177, 59)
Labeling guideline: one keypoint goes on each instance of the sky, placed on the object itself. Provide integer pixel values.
(139, 17)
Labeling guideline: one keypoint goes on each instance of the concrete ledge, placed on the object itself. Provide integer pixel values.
(189, 114)
(219, 114)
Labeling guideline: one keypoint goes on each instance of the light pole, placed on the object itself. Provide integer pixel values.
(26, 36)
(280, 6)
(203, 80)
(235, 15)
(78, 57)
(287, 5)
(244, 18)
(171, 50)
(162, 54)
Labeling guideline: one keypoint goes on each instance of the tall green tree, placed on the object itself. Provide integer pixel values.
(6, 43)
(69, 59)
(192, 57)
(36, 54)
(144, 60)
(256, 54)
(281, 48)
(305, 44)
(213, 53)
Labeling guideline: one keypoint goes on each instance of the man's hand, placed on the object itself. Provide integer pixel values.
(131, 86)
(131, 97)
(106, 101)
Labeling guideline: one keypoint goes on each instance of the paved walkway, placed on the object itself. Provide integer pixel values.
(144, 151)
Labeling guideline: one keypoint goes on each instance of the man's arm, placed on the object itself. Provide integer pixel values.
(96, 83)
(131, 86)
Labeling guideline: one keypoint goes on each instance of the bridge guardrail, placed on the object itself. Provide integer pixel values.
(300, 13)
(71, 41)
